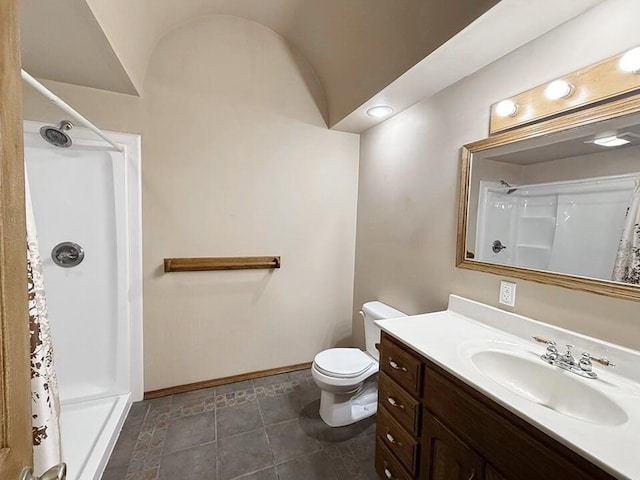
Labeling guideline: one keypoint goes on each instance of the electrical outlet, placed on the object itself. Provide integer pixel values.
(507, 293)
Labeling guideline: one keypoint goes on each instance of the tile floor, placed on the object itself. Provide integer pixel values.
(264, 429)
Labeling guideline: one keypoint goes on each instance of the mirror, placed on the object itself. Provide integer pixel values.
(549, 201)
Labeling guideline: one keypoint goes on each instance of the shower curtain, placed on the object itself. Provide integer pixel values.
(45, 404)
(627, 266)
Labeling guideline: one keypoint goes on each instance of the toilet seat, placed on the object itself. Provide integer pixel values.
(343, 362)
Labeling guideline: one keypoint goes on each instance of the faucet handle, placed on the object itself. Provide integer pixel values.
(585, 363)
(551, 355)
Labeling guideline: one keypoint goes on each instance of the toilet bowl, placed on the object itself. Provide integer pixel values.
(347, 376)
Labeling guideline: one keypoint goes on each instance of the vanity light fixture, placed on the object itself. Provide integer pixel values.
(558, 89)
(630, 61)
(380, 111)
(507, 108)
(612, 141)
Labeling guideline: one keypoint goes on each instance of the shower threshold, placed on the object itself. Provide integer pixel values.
(89, 432)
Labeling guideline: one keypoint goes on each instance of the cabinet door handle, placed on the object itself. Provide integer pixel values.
(388, 473)
(396, 366)
(472, 476)
(394, 403)
(393, 440)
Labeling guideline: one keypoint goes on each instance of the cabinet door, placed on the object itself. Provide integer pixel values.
(491, 474)
(445, 456)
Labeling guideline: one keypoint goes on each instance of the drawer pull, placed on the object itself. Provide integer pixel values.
(396, 366)
(394, 403)
(393, 440)
(389, 474)
(473, 475)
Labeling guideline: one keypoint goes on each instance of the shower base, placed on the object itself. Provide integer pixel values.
(89, 432)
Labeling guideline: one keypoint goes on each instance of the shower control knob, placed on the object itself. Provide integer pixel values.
(67, 254)
(497, 246)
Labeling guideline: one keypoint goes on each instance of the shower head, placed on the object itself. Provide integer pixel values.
(56, 136)
(506, 185)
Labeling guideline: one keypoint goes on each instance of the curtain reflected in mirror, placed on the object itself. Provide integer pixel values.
(627, 265)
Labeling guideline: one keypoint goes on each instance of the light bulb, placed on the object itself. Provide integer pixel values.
(630, 61)
(380, 111)
(507, 108)
(558, 89)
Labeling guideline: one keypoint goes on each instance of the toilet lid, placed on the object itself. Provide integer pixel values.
(343, 362)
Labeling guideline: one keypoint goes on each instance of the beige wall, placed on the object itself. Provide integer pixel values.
(237, 160)
(409, 168)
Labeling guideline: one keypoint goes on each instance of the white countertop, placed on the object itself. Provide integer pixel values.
(449, 338)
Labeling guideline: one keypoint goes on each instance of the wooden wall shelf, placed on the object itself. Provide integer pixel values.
(201, 264)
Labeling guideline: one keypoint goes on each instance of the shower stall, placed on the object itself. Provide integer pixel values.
(86, 203)
(571, 227)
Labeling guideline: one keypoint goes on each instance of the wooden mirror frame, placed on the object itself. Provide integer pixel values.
(599, 113)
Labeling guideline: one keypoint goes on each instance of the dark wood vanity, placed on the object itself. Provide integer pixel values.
(432, 426)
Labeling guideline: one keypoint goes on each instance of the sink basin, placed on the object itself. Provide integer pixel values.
(549, 386)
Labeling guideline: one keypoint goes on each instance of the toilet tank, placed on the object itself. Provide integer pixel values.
(372, 311)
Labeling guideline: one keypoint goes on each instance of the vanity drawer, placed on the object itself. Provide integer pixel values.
(387, 466)
(403, 407)
(401, 365)
(397, 440)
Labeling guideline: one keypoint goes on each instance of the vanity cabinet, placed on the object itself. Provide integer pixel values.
(432, 426)
(446, 457)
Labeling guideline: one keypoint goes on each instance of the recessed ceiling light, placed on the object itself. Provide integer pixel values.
(380, 111)
(611, 141)
(630, 61)
(507, 108)
(558, 89)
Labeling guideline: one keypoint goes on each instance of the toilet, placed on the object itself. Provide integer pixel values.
(347, 376)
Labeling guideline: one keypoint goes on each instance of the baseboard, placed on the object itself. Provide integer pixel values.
(189, 387)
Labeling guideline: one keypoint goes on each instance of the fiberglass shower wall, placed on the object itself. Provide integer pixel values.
(562, 226)
(79, 195)
(73, 193)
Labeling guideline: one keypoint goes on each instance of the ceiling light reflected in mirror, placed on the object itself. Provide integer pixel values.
(611, 141)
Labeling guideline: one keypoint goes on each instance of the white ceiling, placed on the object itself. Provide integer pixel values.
(356, 47)
(61, 40)
(493, 35)
(363, 51)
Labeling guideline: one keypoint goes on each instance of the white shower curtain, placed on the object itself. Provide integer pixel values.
(627, 266)
(45, 404)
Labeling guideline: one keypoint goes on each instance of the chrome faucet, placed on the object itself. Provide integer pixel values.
(567, 362)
